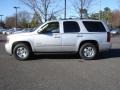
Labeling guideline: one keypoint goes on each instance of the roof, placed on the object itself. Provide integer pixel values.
(74, 20)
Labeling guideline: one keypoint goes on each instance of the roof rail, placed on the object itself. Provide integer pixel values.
(68, 18)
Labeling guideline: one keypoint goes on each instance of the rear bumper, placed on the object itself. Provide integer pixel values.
(105, 47)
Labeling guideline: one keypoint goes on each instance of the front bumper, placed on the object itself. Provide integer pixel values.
(8, 48)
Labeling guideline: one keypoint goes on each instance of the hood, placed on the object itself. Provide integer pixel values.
(21, 34)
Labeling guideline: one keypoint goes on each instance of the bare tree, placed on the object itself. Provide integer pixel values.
(42, 8)
(24, 16)
(10, 22)
(82, 6)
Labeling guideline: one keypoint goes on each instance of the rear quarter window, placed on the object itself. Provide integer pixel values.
(93, 26)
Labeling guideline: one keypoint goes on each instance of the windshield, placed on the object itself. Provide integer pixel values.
(35, 28)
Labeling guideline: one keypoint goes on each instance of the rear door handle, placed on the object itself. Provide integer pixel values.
(56, 36)
(79, 36)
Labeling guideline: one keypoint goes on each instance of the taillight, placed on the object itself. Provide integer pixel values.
(108, 37)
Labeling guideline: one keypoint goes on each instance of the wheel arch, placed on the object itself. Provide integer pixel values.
(94, 42)
(23, 42)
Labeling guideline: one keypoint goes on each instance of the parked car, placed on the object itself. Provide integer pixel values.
(29, 29)
(18, 30)
(4, 32)
(115, 31)
(1, 30)
(10, 31)
(84, 37)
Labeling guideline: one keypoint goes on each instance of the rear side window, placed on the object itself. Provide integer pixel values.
(92, 26)
(71, 26)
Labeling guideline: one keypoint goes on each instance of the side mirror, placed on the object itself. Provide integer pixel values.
(42, 29)
(39, 31)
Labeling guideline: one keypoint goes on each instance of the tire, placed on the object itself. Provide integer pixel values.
(88, 51)
(21, 52)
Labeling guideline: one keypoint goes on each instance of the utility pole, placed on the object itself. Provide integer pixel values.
(1, 20)
(81, 10)
(16, 16)
(65, 10)
(100, 11)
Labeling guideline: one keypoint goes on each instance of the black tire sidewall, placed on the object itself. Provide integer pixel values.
(84, 46)
(21, 45)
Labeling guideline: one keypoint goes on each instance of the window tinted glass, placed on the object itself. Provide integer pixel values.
(71, 26)
(52, 27)
(94, 26)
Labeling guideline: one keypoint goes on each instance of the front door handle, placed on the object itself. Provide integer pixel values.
(56, 36)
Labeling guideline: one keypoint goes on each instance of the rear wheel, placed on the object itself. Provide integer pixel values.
(88, 51)
(21, 52)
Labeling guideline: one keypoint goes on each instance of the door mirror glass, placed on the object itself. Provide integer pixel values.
(42, 28)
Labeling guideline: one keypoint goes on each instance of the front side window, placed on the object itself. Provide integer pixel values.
(71, 26)
(52, 27)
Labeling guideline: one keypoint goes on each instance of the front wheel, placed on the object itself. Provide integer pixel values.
(21, 52)
(88, 51)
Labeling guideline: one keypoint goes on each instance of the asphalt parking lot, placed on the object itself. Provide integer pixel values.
(61, 72)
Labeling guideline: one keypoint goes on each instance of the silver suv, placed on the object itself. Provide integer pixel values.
(84, 37)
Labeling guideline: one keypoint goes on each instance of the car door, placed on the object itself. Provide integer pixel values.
(49, 39)
(70, 35)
